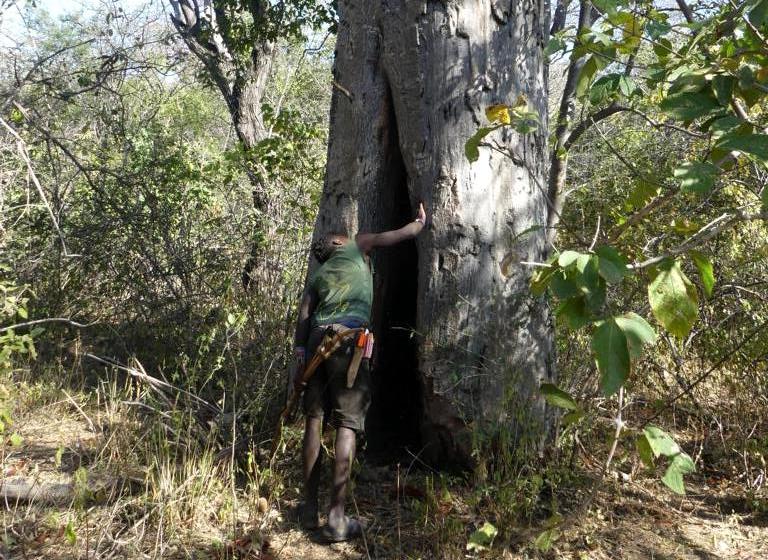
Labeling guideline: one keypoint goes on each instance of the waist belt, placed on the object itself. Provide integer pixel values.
(330, 343)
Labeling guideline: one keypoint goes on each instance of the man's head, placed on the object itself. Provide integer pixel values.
(324, 246)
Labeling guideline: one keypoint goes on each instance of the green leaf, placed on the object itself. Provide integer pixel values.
(555, 44)
(567, 258)
(606, 6)
(689, 81)
(540, 280)
(696, 176)
(722, 126)
(723, 88)
(673, 300)
(603, 88)
(611, 265)
(572, 417)
(645, 451)
(524, 121)
(610, 347)
(482, 538)
(706, 272)
(472, 146)
(557, 397)
(573, 311)
(638, 332)
(656, 29)
(688, 106)
(16, 440)
(673, 477)
(588, 72)
(753, 144)
(626, 86)
(588, 267)
(22, 312)
(759, 14)
(562, 286)
(661, 442)
(69, 533)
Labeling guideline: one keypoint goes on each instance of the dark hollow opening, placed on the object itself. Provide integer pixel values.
(393, 420)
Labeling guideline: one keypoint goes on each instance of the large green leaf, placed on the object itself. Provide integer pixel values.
(753, 144)
(688, 106)
(723, 88)
(696, 176)
(472, 146)
(588, 72)
(722, 126)
(482, 539)
(661, 442)
(759, 14)
(673, 477)
(567, 258)
(542, 276)
(555, 396)
(706, 271)
(574, 312)
(611, 265)
(673, 299)
(588, 267)
(610, 347)
(638, 332)
(644, 450)
(562, 286)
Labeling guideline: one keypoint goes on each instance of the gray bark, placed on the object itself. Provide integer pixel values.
(558, 167)
(412, 81)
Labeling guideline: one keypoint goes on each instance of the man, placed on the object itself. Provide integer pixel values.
(338, 296)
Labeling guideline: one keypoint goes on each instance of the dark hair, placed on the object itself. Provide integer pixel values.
(325, 245)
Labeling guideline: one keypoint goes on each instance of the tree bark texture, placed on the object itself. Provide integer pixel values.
(462, 345)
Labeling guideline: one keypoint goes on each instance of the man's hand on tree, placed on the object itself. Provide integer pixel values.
(421, 214)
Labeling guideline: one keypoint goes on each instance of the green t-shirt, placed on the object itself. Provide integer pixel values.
(344, 287)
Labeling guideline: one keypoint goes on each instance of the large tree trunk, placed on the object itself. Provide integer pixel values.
(462, 345)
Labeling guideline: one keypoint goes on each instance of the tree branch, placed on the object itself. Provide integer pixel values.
(42, 321)
(716, 226)
(558, 19)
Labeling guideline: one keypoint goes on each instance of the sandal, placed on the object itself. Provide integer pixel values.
(353, 529)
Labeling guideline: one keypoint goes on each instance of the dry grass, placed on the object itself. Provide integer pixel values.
(143, 483)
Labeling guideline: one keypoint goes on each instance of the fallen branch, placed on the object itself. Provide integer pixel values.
(21, 489)
(154, 382)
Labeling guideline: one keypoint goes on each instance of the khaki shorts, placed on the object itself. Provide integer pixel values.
(326, 393)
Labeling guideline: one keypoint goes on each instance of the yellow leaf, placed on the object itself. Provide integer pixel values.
(498, 113)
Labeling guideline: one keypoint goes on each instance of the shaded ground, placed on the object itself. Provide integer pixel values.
(108, 517)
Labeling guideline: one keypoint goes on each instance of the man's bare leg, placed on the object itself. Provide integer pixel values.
(345, 453)
(312, 462)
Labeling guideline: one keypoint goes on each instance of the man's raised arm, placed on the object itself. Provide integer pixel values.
(367, 241)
